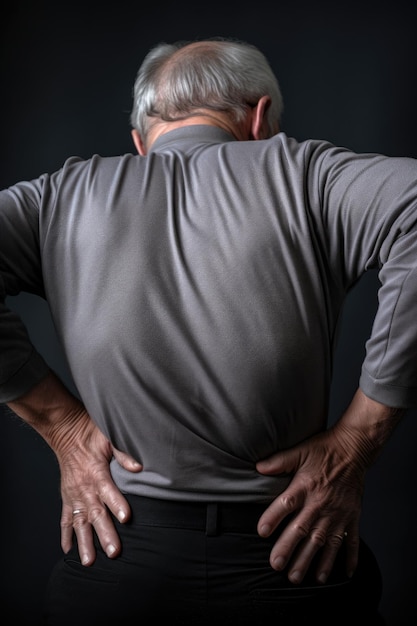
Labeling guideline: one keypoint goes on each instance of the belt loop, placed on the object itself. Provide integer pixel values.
(212, 520)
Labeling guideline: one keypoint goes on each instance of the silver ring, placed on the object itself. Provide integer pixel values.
(76, 511)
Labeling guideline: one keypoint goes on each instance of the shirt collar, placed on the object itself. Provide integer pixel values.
(194, 133)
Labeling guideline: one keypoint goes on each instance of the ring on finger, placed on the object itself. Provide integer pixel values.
(341, 537)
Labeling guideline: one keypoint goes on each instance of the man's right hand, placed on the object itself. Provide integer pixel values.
(89, 495)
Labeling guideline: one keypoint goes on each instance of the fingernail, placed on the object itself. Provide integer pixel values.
(121, 516)
(322, 577)
(85, 560)
(111, 549)
(279, 562)
(295, 577)
(265, 530)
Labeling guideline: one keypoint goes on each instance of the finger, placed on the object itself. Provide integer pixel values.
(85, 523)
(352, 543)
(114, 500)
(85, 538)
(285, 462)
(285, 504)
(328, 555)
(289, 541)
(302, 558)
(328, 547)
(317, 542)
(126, 461)
(351, 546)
(108, 500)
(67, 531)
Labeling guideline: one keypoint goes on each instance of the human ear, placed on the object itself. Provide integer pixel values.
(259, 124)
(139, 144)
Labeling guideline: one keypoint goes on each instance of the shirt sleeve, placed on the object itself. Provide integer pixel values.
(21, 366)
(369, 208)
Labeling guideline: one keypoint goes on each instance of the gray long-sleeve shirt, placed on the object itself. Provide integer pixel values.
(196, 292)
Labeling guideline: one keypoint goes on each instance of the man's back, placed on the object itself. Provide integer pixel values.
(194, 293)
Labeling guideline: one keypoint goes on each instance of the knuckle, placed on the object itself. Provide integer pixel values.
(335, 540)
(79, 521)
(103, 489)
(301, 530)
(318, 538)
(95, 514)
(288, 502)
(66, 523)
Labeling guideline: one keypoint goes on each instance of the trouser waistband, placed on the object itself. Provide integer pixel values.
(212, 517)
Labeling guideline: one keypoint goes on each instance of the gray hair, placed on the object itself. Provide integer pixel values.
(218, 74)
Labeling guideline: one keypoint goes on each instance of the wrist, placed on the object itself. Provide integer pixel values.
(49, 408)
(366, 426)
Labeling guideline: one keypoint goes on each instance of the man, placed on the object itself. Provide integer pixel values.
(196, 288)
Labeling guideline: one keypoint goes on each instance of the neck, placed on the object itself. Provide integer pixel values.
(213, 118)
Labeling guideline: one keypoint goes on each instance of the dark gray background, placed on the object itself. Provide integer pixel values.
(348, 74)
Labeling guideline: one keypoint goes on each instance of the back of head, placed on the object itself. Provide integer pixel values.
(176, 81)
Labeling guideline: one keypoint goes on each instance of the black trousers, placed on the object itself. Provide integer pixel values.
(199, 564)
